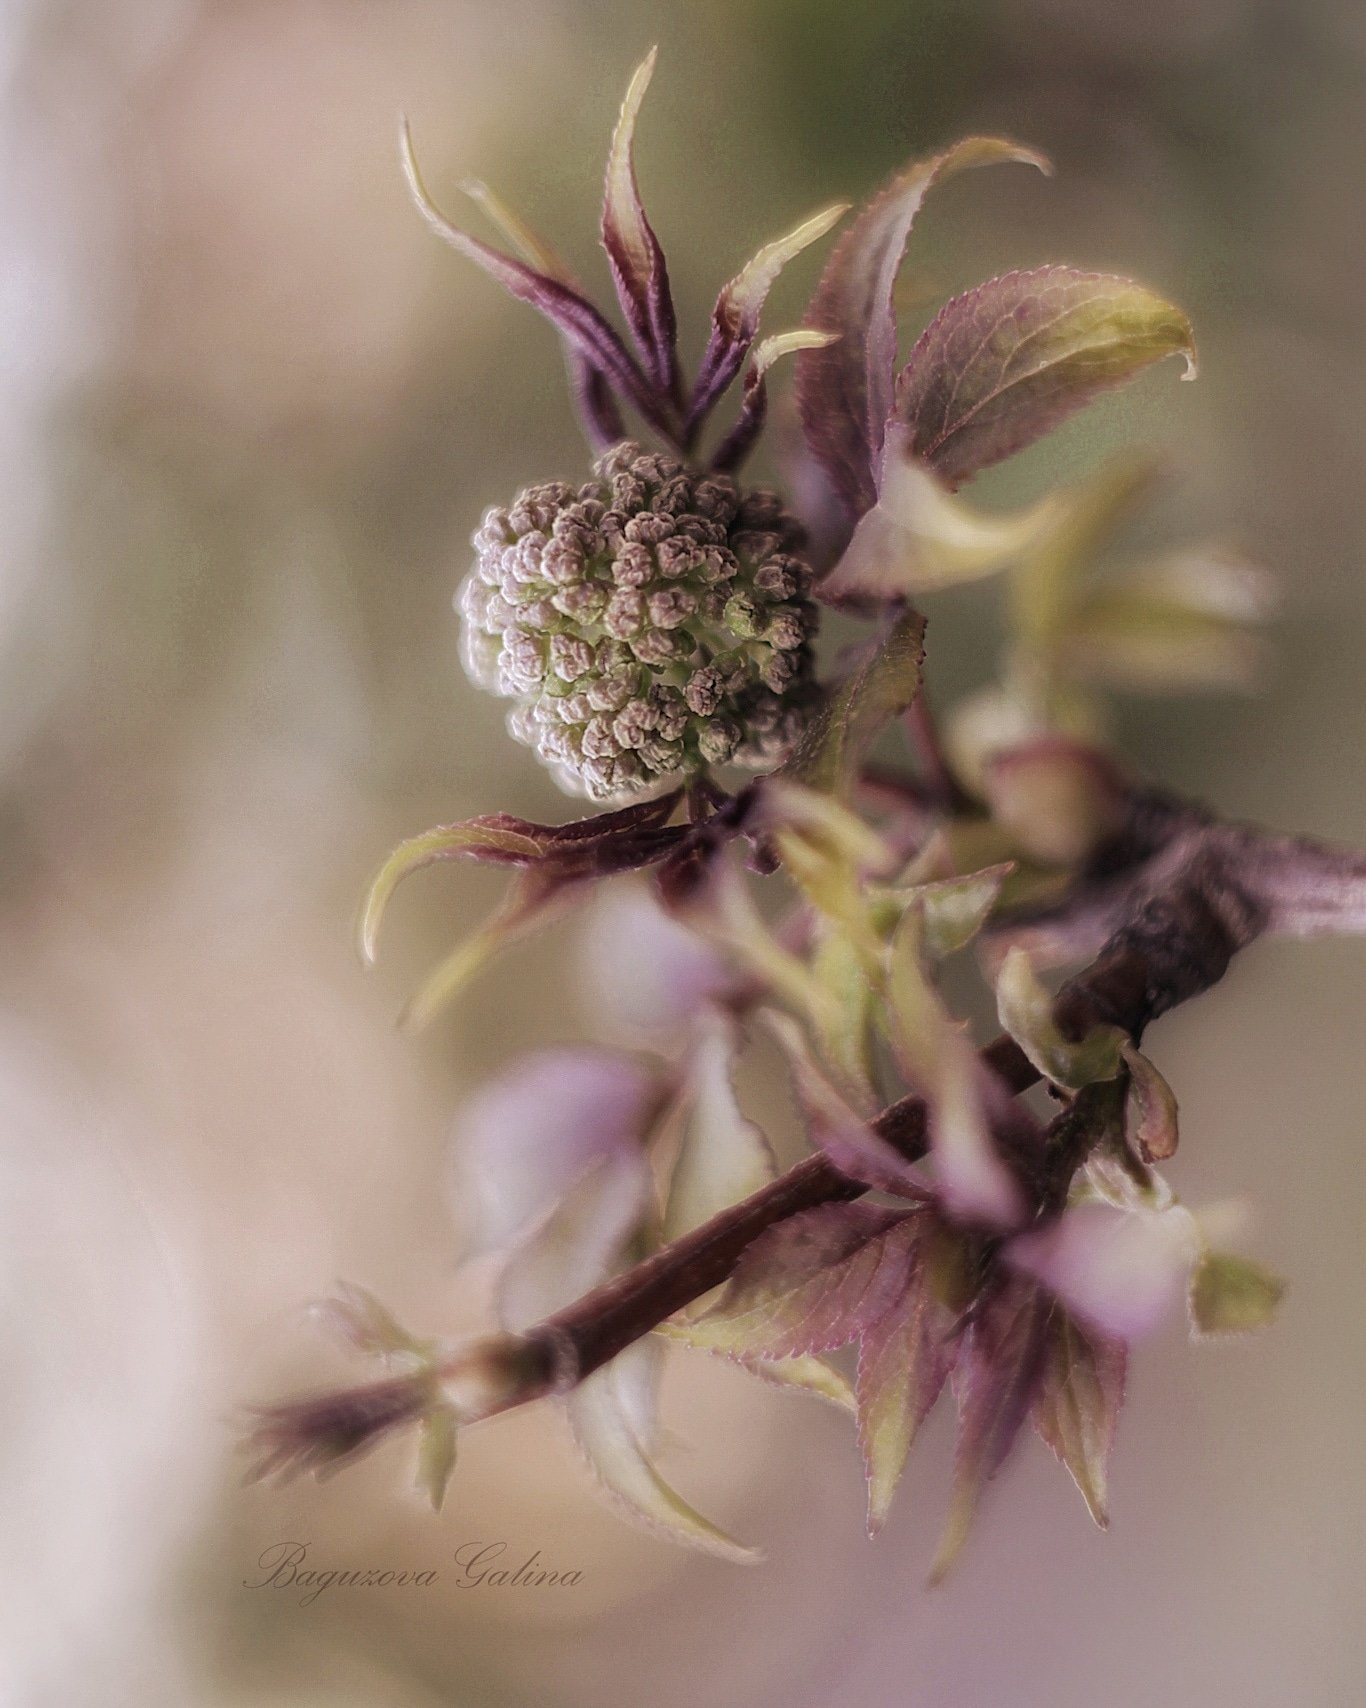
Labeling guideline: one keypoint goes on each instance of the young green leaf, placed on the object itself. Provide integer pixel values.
(804, 1371)
(1005, 363)
(722, 1156)
(1077, 1406)
(1026, 1012)
(1232, 1295)
(436, 1454)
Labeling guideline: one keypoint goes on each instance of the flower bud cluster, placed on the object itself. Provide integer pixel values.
(651, 622)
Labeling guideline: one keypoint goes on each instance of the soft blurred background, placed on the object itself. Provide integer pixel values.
(249, 412)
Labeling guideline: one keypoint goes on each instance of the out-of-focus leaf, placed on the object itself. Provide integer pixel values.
(1149, 1109)
(880, 688)
(579, 324)
(637, 261)
(357, 1316)
(1121, 1273)
(811, 1283)
(736, 445)
(1123, 638)
(1001, 718)
(641, 975)
(1059, 799)
(845, 391)
(1116, 1176)
(954, 910)
(1232, 1295)
(722, 1156)
(805, 1372)
(995, 1379)
(938, 1060)
(577, 1243)
(1005, 363)
(526, 1136)
(603, 1428)
(846, 1041)
(1077, 1406)
(729, 915)
(1026, 1012)
(735, 319)
(919, 538)
(1049, 578)
(902, 1363)
(850, 1143)
(436, 1454)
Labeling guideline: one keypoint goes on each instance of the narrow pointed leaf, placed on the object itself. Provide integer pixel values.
(845, 391)
(358, 1317)
(954, 910)
(1003, 364)
(637, 261)
(579, 324)
(600, 1417)
(436, 1454)
(902, 1363)
(996, 1378)
(738, 443)
(810, 1284)
(1232, 1295)
(805, 1371)
(1077, 1407)
(735, 319)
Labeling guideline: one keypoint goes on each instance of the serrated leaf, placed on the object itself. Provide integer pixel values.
(845, 391)
(637, 261)
(722, 1156)
(1005, 363)
(1232, 1295)
(805, 1371)
(601, 1420)
(1149, 1109)
(1078, 1403)
(881, 687)
(1026, 1012)
(919, 538)
(810, 1284)
(902, 1363)
(436, 1453)
(938, 1060)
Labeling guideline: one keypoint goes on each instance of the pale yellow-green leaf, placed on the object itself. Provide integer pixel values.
(436, 1453)
(1026, 1012)
(807, 1372)
(1232, 1295)
(442, 843)
(610, 1442)
(722, 1156)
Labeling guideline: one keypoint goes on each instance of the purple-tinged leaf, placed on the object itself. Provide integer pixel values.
(805, 1372)
(1232, 1295)
(833, 1126)
(738, 443)
(591, 391)
(812, 1283)
(845, 391)
(607, 1433)
(735, 319)
(1059, 799)
(902, 1363)
(1120, 1272)
(995, 1379)
(1077, 1406)
(637, 261)
(579, 324)
(1003, 364)
(641, 975)
(526, 1136)
(879, 688)
(1149, 1109)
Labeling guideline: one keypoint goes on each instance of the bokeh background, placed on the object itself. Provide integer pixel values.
(249, 413)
